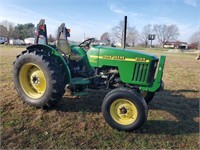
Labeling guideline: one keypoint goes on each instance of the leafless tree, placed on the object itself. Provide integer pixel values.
(147, 29)
(117, 32)
(51, 38)
(105, 37)
(9, 32)
(195, 39)
(3, 31)
(166, 33)
(132, 36)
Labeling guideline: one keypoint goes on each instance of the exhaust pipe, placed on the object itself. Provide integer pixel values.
(124, 32)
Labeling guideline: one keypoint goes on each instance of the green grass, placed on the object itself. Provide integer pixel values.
(77, 123)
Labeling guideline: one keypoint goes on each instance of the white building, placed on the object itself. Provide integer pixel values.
(29, 41)
(16, 42)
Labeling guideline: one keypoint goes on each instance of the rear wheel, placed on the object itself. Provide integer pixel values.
(124, 110)
(33, 80)
(39, 78)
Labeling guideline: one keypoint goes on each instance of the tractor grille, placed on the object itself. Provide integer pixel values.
(141, 72)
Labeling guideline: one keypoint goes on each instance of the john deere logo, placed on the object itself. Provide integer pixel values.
(122, 58)
(113, 57)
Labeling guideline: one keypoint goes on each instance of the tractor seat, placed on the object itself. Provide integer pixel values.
(63, 45)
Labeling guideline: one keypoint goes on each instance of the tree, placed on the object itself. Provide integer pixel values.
(3, 31)
(147, 29)
(195, 40)
(166, 33)
(8, 29)
(105, 38)
(117, 32)
(51, 38)
(132, 35)
(24, 30)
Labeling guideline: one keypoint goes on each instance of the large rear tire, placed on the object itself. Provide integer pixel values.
(124, 110)
(39, 78)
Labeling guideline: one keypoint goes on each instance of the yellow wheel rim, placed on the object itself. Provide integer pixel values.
(123, 111)
(32, 80)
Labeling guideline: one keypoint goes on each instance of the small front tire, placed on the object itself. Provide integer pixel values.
(124, 110)
(148, 96)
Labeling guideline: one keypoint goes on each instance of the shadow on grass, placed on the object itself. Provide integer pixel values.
(183, 109)
(90, 103)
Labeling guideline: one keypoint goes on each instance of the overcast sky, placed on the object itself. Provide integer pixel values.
(94, 17)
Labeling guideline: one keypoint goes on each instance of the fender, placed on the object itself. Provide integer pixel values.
(54, 52)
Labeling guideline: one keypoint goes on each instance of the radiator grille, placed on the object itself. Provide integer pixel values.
(144, 72)
(140, 72)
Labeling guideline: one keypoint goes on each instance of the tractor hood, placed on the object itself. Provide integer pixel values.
(99, 54)
(126, 52)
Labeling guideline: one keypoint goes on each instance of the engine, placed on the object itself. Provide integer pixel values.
(108, 77)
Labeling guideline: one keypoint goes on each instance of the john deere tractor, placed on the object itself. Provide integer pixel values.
(43, 72)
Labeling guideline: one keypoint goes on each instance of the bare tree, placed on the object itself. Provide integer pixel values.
(147, 29)
(51, 38)
(166, 33)
(117, 32)
(195, 40)
(3, 31)
(9, 27)
(132, 36)
(105, 37)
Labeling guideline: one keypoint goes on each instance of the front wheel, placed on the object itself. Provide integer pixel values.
(148, 96)
(124, 110)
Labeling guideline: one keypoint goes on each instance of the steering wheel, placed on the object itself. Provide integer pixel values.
(87, 42)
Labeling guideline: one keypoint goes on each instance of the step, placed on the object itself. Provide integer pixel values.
(81, 93)
(79, 80)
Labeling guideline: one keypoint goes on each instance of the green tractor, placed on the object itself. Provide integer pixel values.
(43, 72)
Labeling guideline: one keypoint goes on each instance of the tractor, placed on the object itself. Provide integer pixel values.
(43, 72)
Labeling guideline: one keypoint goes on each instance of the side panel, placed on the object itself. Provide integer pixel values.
(93, 56)
(117, 59)
(56, 54)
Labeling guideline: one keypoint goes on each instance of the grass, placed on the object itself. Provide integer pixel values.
(77, 123)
